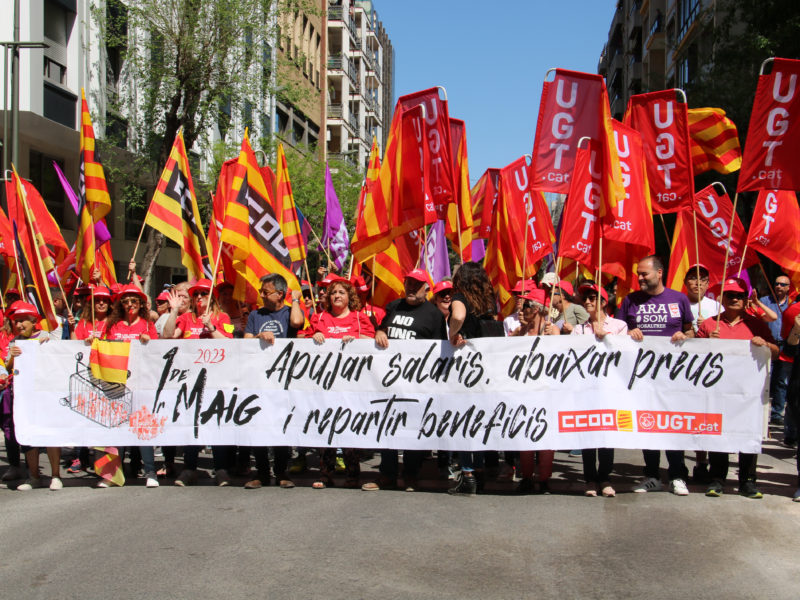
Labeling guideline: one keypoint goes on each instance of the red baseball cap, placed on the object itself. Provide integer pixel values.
(537, 295)
(734, 284)
(201, 285)
(162, 297)
(419, 275)
(129, 289)
(100, 291)
(442, 286)
(22, 309)
(359, 283)
(524, 285)
(566, 287)
(592, 287)
(327, 280)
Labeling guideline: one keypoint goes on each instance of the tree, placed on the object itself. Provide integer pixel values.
(190, 64)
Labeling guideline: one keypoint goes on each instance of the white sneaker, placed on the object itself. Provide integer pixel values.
(648, 484)
(678, 487)
(56, 483)
(102, 484)
(29, 485)
(152, 482)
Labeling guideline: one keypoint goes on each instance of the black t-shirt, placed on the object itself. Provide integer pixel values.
(406, 322)
(472, 327)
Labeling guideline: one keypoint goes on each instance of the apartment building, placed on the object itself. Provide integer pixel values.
(653, 45)
(360, 81)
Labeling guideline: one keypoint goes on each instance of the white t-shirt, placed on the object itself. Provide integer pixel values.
(510, 324)
(709, 307)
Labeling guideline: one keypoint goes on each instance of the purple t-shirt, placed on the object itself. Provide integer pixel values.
(663, 314)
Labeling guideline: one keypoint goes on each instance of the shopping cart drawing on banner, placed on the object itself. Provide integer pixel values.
(105, 403)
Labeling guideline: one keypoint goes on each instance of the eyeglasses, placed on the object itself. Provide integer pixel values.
(130, 302)
(694, 278)
(268, 293)
(590, 298)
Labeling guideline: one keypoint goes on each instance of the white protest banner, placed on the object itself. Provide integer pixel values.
(528, 393)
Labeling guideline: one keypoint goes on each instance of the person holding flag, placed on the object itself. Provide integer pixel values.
(26, 317)
(736, 324)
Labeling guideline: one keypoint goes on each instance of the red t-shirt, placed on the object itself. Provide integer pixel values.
(746, 328)
(192, 326)
(122, 332)
(376, 312)
(84, 328)
(355, 323)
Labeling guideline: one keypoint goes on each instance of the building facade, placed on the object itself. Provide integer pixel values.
(654, 45)
(359, 85)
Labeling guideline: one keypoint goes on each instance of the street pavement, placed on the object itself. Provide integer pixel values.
(209, 542)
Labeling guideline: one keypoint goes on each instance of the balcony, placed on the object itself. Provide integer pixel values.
(634, 25)
(335, 111)
(338, 62)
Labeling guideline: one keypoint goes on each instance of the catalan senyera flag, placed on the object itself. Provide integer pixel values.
(251, 230)
(85, 244)
(109, 360)
(32, 282)
(459, 211)
(93, 187)
(714, 141)
(372, 220)
(46, 225)
(109, 466)
(173, 211)
(390, 267)
(484, 198)
(286, 211)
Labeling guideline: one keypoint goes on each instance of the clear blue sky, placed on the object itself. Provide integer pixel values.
(492, 57)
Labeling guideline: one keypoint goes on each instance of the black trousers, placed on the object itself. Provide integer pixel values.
(592, 473)
(720, 461)
(676, 468)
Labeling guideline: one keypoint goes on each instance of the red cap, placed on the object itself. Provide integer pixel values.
(442, 286)
(419, 275)
(592, 287)
(536, 295)
(201, 285)
(13, 291)
(129, 289)
(524, 285)
(162, 297)
(22, 309)
(82, 290)
(360, 284)
(100, 291)
(566, 287)
(327, 280)
(701, 265)
(734, 284)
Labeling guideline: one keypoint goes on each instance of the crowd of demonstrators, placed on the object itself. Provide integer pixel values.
(457, 310)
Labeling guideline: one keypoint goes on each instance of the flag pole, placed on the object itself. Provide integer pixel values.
(552, 288)
(741, 264)
(599, 262)
(91, 290)
(214, 272)
(728, 246)
(372, 280)
(764, 273)
(460, 241)
(316, 237)
(697, 260)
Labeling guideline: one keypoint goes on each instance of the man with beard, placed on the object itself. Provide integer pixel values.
(656, 310)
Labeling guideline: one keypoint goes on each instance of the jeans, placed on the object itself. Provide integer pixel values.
(720, 461)
(145, 455)
(591, 472)
(676, 468)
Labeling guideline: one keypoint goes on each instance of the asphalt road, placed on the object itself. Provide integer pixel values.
(209, 542)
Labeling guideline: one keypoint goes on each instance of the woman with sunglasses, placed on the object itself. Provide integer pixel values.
(598, 462)
(203, 320)
(129, 321)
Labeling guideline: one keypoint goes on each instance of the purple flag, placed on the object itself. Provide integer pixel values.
(436, 257)
(478, 250)
(334, 235)
(101, 233)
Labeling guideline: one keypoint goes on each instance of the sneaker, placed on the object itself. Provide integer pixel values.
(678, 487)
(151, 480)
(222, 478)
(12, 474)
(102, 484)
(340, 464)
(749, 489)
(466, 486)
(796, 497)
(298, 465)
(75, 467)
(575, 453)
(648, 484)
(383, 483)
(29, 485)
(187, 477)
(253, 484)
(700, 473)
(56, 483)
(714, 490)
(411, 484)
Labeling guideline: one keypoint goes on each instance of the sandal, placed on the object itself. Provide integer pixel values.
(608, 491)
(321, 484)
(590, 491)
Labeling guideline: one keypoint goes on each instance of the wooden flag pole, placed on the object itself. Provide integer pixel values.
(91, 289)
(769, 283)
(728, 248)
(741, 264)
(697, 261)
(316, 237)
(460, 241)
(552, 289)
(214, 277)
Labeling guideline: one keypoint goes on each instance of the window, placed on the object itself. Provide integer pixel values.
(59, 105)
(687, 14)
(44, 179)
(54, 72)
(58, 21)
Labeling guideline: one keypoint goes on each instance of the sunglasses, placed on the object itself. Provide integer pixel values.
(736, 295)
(200, 293)
(130, 302)
(779, 284)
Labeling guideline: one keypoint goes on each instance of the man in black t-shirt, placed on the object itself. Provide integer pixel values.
(409, 318)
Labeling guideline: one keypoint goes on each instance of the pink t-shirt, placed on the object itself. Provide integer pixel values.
(610, 325)
(122, 332)
(84, 328)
